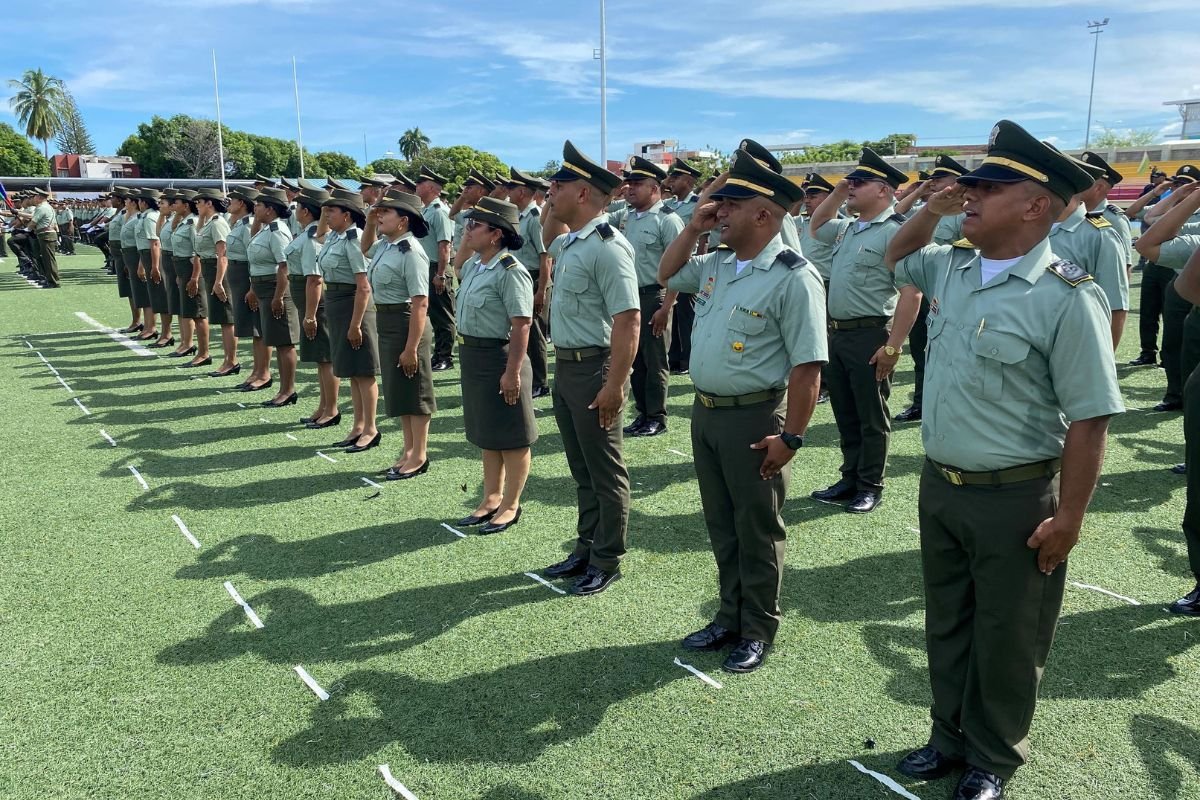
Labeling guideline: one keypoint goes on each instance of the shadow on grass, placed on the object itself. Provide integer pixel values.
(1135, 490)
(1169, 547)
(1162, 743)
(510, 716)
(160, 465)
(887, 586)
(193, 496)
(832, 780)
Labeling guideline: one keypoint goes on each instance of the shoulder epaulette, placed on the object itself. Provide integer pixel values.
(1114, 209)
(1098, 221)
(535, 212)
(352, 234)
(791, 258)
(605, 230)
(1070, 272)
(692, 199)
(275, 226)
(964, 243)
(312, 233)
(508, 262)
(188, 221)
(900, 218)
(404, 246)
(666, 209)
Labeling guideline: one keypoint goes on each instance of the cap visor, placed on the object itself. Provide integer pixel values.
(994, 173)
(735, 192)
(564, 175)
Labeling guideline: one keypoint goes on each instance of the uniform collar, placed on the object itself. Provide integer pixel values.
(764, 259)
(590, 225)
(1072, 222)
(530, 206)
(884, 215)
(654, 209)
(310, 226)
(1032, 265)
(495, 259)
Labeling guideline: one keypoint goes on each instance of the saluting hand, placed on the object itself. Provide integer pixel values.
(885, 365)
(510, 387)
(949, 201)
(776, 458)
(704, 218)
(1053, 540)
(609, 402)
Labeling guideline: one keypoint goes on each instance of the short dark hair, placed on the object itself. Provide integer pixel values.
(510, 240)
(281, 211)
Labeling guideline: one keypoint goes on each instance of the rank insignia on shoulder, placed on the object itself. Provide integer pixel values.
(312, 233)
(605, 230)
(1070, 272)
(352, 234)
(274, 226)
(723, 246)
(535, 211)
(898, 218)
(1098, 221)
(692, 199)
(1114, 209)
(791, 258)
(508, 262)
(188, 221)
(964, 243)
(405, 246)
(667, 210)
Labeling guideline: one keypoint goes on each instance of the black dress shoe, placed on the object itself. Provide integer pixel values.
(333, 421)
(1168, 405)
(348, 441)
(822, 397)
(910, 414)
(594, 581)
(500, 527)
(864, 502)
(569, 567)
(290, 400)
(131, 329)
(204, 362)
(711, 637)
(1143, 361)
(635, 426)
(651, 428)
(748, 656)
(979, 784)
(842, 490)
(146, 337)
(443, 365)
(541, 391)
(1179, 469)
(168, 343)
(394, 474)
(927, 764)
(477, 519)
(375, 440)
(191, 351)
(1188, 605)
(249, 387)
(234, 370)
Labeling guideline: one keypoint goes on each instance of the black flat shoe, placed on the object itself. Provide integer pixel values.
(394, 474)
(1166, 405)
(594, 581)
(979, 784)
(910, 414)
(541, 391)
(822, 398)
(748, 656)
(236, 369)
(363, 448)
(928, 764)
(477, 519)
(443, 365)
(249, 387)
(710, 638)
(634, 427)
(145, 337)
(168, 343)
(348, 441)
(650, 428)
(1179, 469)
(205, 362)
(191, 351)
(569, 567)
(864, 503)
(1188, 605)
(131, 329)
(842, 490)
(290, 400)
(329, 423)
(1143, 361)
(500, 527)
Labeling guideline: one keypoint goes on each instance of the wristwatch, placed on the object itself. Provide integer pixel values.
(312, 321)
(793, 440)
(893, 351)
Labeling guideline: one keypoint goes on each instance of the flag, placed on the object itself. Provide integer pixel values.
(1145, 162)
(4, 197)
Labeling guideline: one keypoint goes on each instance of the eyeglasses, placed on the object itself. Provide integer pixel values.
(857, 182)
(472, 224)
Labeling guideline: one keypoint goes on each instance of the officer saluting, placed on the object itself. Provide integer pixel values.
(758, 343)
(1020, 382)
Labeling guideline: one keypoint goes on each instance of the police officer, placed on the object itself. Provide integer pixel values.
(45, 229)
(437, 245)
(865, 340)
(113, 232)
(682, 199)
(681, 185)
(304, 281)
(1097, 200)
(790, 230)
(595, 320)
(150, 263)
(1153, 293)
(1018, 338)
(522, 188)
(758, 345)
(475, 186)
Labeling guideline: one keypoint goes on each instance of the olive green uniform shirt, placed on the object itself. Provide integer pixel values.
(530, 228)
(128, 230)
(301, 253)
(1116, 217)
(460, 227)
(164, 235)
(790, 233)
(441, 229)
(1100, 251)
(399, 270)
(1174, 253)
(1009, 364)
(183, 238)
(860, 285)
(594, 280)
(685, 208)
(752, 327)
(491, 294)
(44, 218)
(114, 227)
(650, 232)
(238, 239)
(207, 236)
(146, 231)
(341, 257)
(948, 229)
(266, 250)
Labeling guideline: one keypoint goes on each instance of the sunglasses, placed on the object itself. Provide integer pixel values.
(857, 182)
(472, 224)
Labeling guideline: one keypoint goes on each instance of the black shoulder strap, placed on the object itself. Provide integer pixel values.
(508, 262)
(352, 234)
(405, 246)
(791, 258)
(1070, 272)
(605, 230)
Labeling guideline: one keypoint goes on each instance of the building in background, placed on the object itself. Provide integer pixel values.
(105, 167)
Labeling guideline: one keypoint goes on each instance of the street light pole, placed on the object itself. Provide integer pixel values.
(603, 90)
(1095, 29)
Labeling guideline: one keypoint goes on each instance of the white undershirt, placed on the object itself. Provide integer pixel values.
(862, 226)
(991, 267)
(1054, 227)
(741, 265)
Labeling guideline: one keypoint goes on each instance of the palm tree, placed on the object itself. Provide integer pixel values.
(413, 143)
(40, 104)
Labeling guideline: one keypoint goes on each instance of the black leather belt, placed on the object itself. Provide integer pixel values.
(579, 353)
(999, 477)
(476, 341)
(653, 288)
(736, 401)
(856, 324)
(393, 306)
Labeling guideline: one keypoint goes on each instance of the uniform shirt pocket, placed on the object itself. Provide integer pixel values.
(742, 329)
(570, 289)
(995, 354)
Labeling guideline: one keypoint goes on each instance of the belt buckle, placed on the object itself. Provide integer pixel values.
(460, 339)
(955, 476)
(706, 401)
(833, 324)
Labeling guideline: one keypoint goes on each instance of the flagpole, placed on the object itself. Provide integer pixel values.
(299, 135)
(220, 136)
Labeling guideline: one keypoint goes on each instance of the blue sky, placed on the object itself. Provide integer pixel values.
(516, 78)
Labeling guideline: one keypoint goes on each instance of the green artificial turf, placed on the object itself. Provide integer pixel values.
(126, 670)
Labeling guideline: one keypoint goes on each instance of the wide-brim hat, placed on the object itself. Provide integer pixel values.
(306, 184)
(750, 177)
(186, 195)
(149, 194)
(210, 193)
(169, 194)
(40, 191)
(872, 167)
(271, 195)
(247, 194)
(264, 179)
(409, 205)
(578, 167)
(313, 197)
(344, 198)
(289, 184)
(1015, 155)
(497, 213)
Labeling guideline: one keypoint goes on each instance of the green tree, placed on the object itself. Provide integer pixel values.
(338, 165)
(73, 137)
(312, 166)
(40, 104)
(149, 144)
(892, 144)
(389, 166)
(455, 162)
(413, 144)
(1126, 138)
(18, 157)
(239, 154)
(271, 155)
(552, 166)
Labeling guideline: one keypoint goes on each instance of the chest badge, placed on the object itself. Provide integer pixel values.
(738, 347)
(934, 306)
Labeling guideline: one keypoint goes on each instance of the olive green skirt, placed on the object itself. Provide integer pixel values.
(283, 331)
(348, 362)
(190, 307)
(245, 321)
(403, 395)
(316, 350)
(491, 423)
(123, 288)
(157, 289)
(218, 313)
(137, 286)
(169, 282)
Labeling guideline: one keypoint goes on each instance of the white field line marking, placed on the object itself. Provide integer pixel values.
(310, 683)
(120, 338)
(545, 582)
(66, 385)
(678, 453)
(241, 405)
(455, 531)
(51, 368)
(42, 357)
(108, 438)
(395, 785)
(915, 530)
(27, 344)
(293, 438)
(82, 407)
(264, 419)
(327, 458)
(1121, 597)
(237, 598)
(370, 482)
(186, 533)
(139, 477)
(885, 780)
(711, 682)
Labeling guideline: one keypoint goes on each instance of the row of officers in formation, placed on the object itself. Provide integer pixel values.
(1010, 281)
